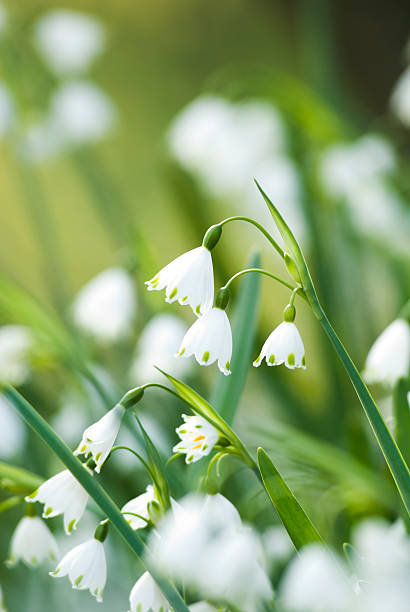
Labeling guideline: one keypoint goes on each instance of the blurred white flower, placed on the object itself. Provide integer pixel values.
(106, 306)
(13, 432)
(277, 545)
(68, 41)
(210, 340)
(98, 439)
(283, 345)
(202, 606)
(189, 279)
(7, 107)
(400, 98)
(81, 113)
(198, 437)
(86, 567)
(157, 345)
(140, 506)
(389, 357)
(62, 494)
(145, 596)
(32, 542)
(39, 141)
(15, 344)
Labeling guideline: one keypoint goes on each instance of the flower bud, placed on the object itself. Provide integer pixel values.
(289, 313)
(212, 236)
(222, 298)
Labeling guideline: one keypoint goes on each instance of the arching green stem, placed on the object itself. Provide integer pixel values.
(121, 447)
(266, 273)
(260, 228)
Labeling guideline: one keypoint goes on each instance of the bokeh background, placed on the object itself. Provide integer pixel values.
(118, 162)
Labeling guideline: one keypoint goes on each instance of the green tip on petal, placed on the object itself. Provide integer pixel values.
(78, 580)
(198, 309)
(173, 293)
(33, 494)
(48, 511)
(291, 359)
(70, 525)
(205, 357)
(272, 359)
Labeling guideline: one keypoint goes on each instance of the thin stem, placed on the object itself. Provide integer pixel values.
(144, 463)
(294, 293)
(260, 271)
(260, 228)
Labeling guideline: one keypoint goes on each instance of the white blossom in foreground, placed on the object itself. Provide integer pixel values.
(145, 596)
(202, 606)
(62, 494)
(13, 433)
(389, 357)
(99, 438)
(86, 567)
(105, 307)
(32, 542)
(15, 345)
(140, 505)
(68, 41)
(7, 107)
(198, 437)
(188, 279)
(210, 340)
(400, 98)
(284, 345)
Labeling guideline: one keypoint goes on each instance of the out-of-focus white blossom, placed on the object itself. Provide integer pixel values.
(389, 357)
(32, 542)
(400, 98)
(106, 306)
(157, 345)
(202, 606)
(277, 545)
(39, 141)
(7, 106)
(146, 596)
(13, 432)
(198, 437)
(15, 344)
(68, 41)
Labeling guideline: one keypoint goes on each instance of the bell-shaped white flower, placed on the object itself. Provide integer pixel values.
(62, 494)
(99, 438)
(209, 339)
(284, 345)
(141, 506)
(146, 596)
(198, 437)
(32, 542)
(188, 279)
(85, 565)
(389, 357)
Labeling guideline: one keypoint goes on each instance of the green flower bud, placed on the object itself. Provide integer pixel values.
(212, 236)
(132, 397)
(102, 530)
(289, 313)
(222, 298)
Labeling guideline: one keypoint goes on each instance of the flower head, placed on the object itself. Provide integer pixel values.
(198, 437)
(284, 345)
(62, 494)
(202, 606)
(209, 339)
(32, 542)
(146, 596)
(389, 357)
(188, 279)
(98, 439)
(141, 505)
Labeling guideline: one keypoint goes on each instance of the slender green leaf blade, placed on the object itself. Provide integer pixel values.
(294, 518)
(402, 415)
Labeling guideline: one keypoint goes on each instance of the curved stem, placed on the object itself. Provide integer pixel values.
(260, 228)
(260, 271)
(121, 447)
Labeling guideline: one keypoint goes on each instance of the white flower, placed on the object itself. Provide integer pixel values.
(209, 339)
(400, 98)
(198, 437)
(7, 107)
(81, 113)
(284, 345)
(278, 545)
(15, 345)
(139, 505)
(188, 279)
(389, 357)
(105, 307)
(202, 606)
(157, 344)
(86, 567)
(32, 542)
(99, 438)
(146, 596)
(62, 494)
(68, 41)
(13, 433)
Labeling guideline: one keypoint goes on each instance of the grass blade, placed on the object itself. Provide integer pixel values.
(402, 416)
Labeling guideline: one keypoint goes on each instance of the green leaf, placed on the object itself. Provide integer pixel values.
(23, 480)
(228, 390)
(93, 488)
(402, 415)
(294, 518)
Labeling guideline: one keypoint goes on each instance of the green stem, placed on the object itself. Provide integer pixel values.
(260, 271)
(260, 228)
(391, 452)
(93, 488)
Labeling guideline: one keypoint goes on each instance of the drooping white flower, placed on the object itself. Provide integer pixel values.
(400, 98)
(157, 344)
(210, 340)
(139, 505)
(62, 494)
(15, 345)
(198, 437)
(86, 567)
(188, 279)
(145, 596)
(105, 307)
(68, 41)
(283, 345)
(99, 438)
(13, 433)
(7, 107)
(32, 542)
(389, 357)
(202, 606)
